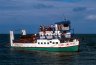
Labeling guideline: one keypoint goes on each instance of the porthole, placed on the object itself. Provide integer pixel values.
(44, 42)
(56, 42)
(41, 42)
(53, 42)
(50, 41)
(38, 42)
(47, 42)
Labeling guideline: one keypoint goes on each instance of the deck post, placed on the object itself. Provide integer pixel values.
(11, 38)
(23, 32)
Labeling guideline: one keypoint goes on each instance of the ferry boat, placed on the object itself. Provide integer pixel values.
(57, 37)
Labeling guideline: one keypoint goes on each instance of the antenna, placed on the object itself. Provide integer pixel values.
(65, 18)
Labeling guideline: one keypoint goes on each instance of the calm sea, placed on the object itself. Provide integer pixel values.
(85, 56)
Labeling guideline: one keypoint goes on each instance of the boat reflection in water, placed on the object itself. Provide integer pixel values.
(48, 58)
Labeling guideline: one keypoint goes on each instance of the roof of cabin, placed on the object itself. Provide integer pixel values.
(63, 22)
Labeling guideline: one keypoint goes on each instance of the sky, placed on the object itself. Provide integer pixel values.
(30, 14)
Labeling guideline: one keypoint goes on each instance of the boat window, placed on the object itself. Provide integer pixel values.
(47, 34)
(56, 42)
(41, 42)
(53, 42)
(44, 42)
(38, 42)
(50, 41)
(47, 42)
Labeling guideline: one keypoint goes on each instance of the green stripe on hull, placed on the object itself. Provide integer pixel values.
(72, 48)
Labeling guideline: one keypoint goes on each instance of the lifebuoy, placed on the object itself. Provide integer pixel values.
(67, 44)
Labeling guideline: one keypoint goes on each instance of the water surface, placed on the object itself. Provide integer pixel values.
(85, 56)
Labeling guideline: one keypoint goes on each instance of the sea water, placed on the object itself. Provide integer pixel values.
(85, 56)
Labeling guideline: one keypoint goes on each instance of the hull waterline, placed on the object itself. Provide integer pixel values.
(51, 49)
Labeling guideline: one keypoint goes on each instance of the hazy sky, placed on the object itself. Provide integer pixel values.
(29, 14)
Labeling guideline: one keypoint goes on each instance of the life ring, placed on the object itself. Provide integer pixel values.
(67, 44)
